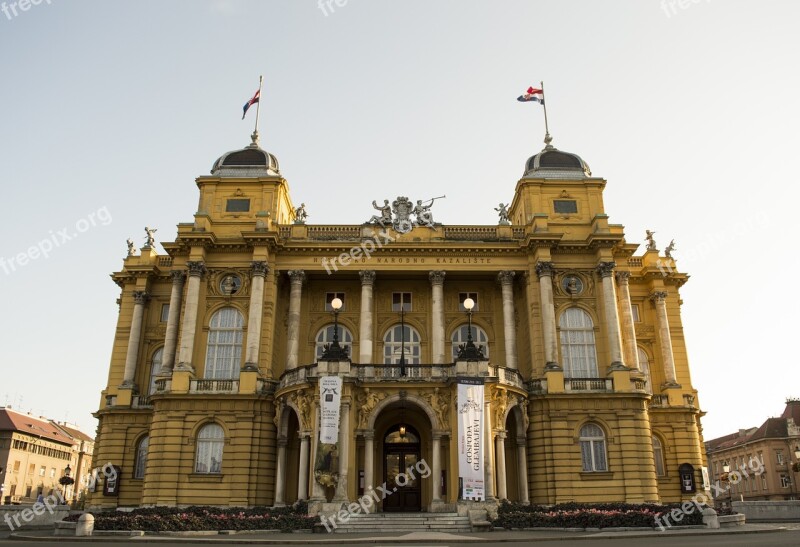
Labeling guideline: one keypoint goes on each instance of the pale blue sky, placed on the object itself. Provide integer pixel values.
(115, 107)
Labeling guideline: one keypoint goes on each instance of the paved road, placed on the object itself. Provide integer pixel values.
(785, 538)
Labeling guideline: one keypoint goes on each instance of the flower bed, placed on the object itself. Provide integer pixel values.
(585, 515)
(173, 519)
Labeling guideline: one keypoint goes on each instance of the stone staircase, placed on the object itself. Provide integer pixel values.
(405, 522)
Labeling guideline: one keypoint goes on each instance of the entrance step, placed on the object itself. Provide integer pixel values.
(405, 522)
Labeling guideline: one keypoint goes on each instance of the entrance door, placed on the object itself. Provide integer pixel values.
(401, 451)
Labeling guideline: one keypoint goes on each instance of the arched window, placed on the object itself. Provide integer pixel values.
(593, 448)
(644, 366)
(399, 337)
(325, 336)
(658, 456)
(210, 440)
(577, 344)
(141, 457)
(224, 351)
(479, 338)
(155, 367)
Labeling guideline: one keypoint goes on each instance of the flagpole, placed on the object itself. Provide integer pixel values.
(547, 138)
(258, 106)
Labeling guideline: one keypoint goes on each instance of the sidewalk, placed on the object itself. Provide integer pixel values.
(405, 537)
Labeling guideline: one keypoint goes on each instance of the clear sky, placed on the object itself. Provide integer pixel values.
(688, 108)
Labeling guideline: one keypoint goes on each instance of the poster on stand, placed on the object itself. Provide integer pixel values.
(470, 438)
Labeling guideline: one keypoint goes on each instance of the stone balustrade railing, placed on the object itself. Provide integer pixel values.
(213, 386)
(572, 385)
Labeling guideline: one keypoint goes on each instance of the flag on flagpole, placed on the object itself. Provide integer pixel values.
(250, 103)
(533, 94)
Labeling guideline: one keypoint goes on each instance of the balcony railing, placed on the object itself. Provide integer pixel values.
(659, 401)
(588, 384)
(639, 384)
(380, 372)
(508, 376)
(142, 401)
(214, 386)
(163, 385)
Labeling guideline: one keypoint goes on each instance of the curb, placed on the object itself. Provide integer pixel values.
(348, 539)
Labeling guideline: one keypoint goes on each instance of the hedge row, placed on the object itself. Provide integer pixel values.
(173, 519)
(584, 515)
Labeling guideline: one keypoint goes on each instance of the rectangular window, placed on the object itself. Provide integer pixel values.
(763, 481)
(635, 312)
(779, 457)
(237, 206)
(785, 481)
(565, 206)
(28, 491)
(31, 469)
(16, 466)
(42, 471)
(164, 312)
(52, 472)
(463, 296)
(401, 301)
(329, 298)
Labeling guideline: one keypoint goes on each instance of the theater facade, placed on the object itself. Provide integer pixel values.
(264, 360)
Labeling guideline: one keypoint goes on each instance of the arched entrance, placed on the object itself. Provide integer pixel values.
(401, 455)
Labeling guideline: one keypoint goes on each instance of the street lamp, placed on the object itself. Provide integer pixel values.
(468, 351)
(67, 471)
(725, 478)
(335, 352)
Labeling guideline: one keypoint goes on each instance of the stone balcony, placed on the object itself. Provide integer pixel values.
(213, 386)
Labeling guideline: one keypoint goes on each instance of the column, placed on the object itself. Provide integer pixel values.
(628, 329)
(280, 472)
(171, 338)
(344, 452)
(436, 468)
(134, 338)
(437, 319)
(260, 270)
(488, 472)
(365, 319)
(293, 335)
(369, 461)
(196, 271)
(506, 279)
(500, 459)
(606, 272)
(302, 483)
(659, 298)
(522, 469)
(545, 270)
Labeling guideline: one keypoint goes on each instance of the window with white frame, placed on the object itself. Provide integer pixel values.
(329, 298)
(210, 441)
(463, 296)
(785, 482)
(141, 457)
(224, 350)
(644, 366)
(635, 312)
(578, 353)
(779, 457)
(593, 448)
(401, 340)
(401, 301)
(658, 456)
(164, 312)
(479, 338)
(155, 367)
(325, 337)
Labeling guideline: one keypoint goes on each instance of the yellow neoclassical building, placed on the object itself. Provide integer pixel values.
(264, 360)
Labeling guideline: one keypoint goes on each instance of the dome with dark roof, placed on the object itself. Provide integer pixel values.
(553, 163)
(252, 161)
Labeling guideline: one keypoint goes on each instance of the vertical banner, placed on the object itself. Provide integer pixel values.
(330, 395)
(326, 468)
(470, 438)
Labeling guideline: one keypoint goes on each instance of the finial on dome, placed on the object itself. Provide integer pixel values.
(254, 140)
(547, 140)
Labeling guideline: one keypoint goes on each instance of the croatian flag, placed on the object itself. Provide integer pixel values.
(250, 103)
(532, 94)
